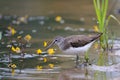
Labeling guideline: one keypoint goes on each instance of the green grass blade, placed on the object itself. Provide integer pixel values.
(98, 4)
(105, 9)
(103, 5)
(113, 17)
(97, 9)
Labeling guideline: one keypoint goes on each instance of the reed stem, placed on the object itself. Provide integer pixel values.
(101, 7)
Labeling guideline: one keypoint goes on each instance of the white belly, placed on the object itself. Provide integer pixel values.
(78, 50)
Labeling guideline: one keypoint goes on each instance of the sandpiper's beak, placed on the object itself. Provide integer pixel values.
(50, 45)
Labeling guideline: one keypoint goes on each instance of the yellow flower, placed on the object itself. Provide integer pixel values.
(12, 30)
(19, 37)
(18, 50)
(96, 45)
(96, 28)
(9, 65)
(44, 59)
(45, 44)
(39, 51)
(39, 67)
(13, 49)
(13, 66)
(58, 18)
(9, 27)
(50, 51)
(23, 19)
(27, 37)
(51, 65)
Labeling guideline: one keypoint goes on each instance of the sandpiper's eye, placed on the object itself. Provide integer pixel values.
(56, 40)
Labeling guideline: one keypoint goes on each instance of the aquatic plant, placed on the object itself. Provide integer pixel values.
(14, 43)
(39, 51)
(39, 67)
(12, 67)
(101, 7)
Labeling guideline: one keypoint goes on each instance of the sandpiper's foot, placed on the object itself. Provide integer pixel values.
(82, 64)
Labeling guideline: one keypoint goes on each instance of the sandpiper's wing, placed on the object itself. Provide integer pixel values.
(81, 40)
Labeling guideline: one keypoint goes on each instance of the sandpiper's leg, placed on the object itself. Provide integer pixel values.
(77, 60)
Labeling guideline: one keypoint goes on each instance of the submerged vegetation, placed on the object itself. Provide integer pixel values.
(17, 44)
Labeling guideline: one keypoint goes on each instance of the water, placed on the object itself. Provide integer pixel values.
(38, 18)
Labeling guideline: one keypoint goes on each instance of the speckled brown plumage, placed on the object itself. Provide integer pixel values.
(78, 40)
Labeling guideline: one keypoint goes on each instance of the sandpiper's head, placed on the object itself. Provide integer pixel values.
(57, 40)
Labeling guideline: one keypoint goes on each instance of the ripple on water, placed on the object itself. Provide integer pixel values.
(29, 74)
(112, 68)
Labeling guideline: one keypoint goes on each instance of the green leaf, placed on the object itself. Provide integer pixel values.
(113, 17)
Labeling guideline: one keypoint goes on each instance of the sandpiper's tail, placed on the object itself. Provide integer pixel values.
(96, 36)
(99, 34)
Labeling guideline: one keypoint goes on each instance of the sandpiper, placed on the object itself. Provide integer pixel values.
(75, 44)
